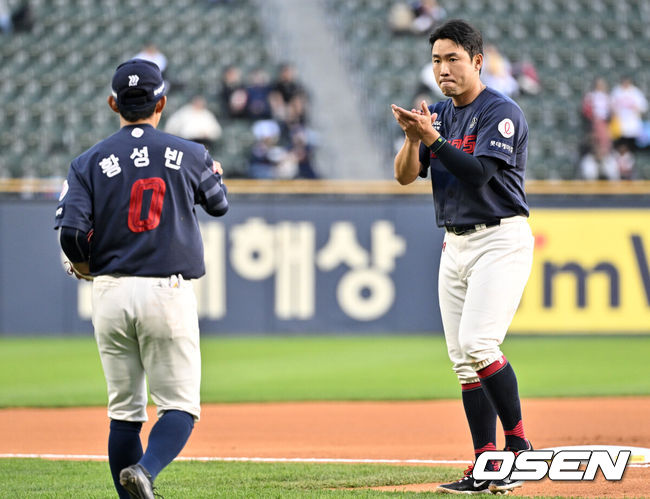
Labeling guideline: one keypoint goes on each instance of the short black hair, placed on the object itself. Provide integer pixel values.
(132, 116)
(140, 114)
(461, 33)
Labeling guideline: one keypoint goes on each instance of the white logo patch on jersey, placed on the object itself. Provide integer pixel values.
(506, 128)
(64, 190)
(137, 133)
(133, 80)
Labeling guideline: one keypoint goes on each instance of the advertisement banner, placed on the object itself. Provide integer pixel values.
(591, 272)
(346, 265)
(275, 265)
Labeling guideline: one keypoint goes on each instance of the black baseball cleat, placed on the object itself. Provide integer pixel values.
(137, 482)
(507, 484)
(466, 485)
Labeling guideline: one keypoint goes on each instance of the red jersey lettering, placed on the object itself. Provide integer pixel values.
(466, 144)
(469, 143)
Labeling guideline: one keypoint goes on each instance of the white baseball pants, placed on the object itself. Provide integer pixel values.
(148, 326)
(481, 281)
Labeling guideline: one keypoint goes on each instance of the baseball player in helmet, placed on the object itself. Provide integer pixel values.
(475, 144)
(127, 221)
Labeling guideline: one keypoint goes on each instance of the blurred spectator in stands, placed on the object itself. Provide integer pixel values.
(417, 17)
(400, 18)
(497, 71)
(288, 96)
(194, 121)
(598, 164)
(6, 25)
(19, 19)
(295, 136)
(233, 93)
(596, 112)
(628, 105)
(428, 14)
(23, 17)
(258, 106)
(302, 146)
(151, 53)
(526, 75)
(625, 161)
(643, 142)
(269, 160)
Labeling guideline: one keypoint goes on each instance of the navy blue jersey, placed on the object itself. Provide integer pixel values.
(136, 192)
(492, 125)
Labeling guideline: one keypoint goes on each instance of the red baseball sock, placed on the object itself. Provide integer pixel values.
(481, 417)
(500, 385)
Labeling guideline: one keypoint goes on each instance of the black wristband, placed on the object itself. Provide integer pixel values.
(438, 143)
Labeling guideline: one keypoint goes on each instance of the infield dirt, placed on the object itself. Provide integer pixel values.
(426, 430)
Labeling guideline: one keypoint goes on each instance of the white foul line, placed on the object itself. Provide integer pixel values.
(321, 460)
(96, 457)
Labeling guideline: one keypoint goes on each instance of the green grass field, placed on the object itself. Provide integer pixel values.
(27, 478)
(57, 372)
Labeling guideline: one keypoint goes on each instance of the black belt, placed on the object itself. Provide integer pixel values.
(463, 230)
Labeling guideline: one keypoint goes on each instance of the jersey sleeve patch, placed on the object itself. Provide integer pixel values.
(502, 146)
(506, 128)
(64, 190)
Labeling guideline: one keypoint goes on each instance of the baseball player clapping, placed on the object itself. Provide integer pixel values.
(475, 144)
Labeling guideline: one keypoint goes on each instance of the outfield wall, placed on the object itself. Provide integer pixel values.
(290, 261)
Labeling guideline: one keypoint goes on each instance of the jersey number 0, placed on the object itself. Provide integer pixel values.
(138, 221)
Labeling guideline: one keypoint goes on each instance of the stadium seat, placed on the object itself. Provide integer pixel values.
(569, 43)
(54, 79)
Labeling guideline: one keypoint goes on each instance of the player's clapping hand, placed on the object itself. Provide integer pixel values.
(216, 167)
(417, 124)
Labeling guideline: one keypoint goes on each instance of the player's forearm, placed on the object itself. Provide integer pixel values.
(215, 203)
(76, 247)
(407, 162)
(470, 169)
(75, 244)
(212, 194)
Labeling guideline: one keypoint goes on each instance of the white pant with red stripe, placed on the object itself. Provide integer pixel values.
(148, 326)
(482, 277)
